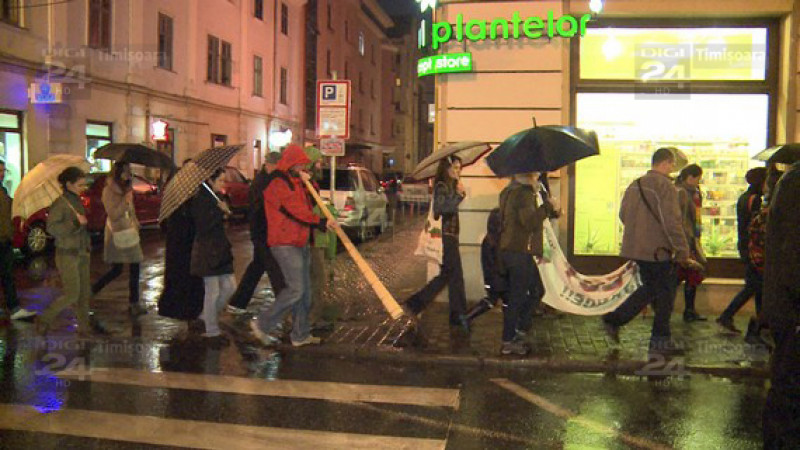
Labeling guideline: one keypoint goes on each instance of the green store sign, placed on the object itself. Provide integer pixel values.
(448, 63)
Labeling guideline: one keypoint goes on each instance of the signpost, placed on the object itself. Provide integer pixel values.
(333, 120)
(332, 147)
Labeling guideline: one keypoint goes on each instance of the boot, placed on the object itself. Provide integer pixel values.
(753, 335)
(481, 307)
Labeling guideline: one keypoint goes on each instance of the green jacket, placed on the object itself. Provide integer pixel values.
(523, 229)
(62, 224)
(6, 226)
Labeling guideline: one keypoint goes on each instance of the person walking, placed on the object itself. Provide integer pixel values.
(448, 193)
(290, 218)
(117, 200)
(748, 205)
(691, 205)
(183, 293)
(263, 261)
(212, 258)
(66, 222)
(521, 239)
(16, 312)
(494, 277)
(781, 417)
(653, 237)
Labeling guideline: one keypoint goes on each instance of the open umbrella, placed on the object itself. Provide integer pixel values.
(134, 154)
(468, 152)
(542, 149)
(780, 154)
(39, 188)
(187, 181)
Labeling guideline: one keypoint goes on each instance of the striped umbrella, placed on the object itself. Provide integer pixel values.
(185, 184)
(468, 152)
(39, 188)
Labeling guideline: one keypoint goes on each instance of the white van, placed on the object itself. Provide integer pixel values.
(360, 200)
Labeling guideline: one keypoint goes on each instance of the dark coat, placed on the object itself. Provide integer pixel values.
(258, 219)
(445, 205)
(523, 220)
(494, 278)
(182, 297)
(747, 206)
(782, 250)
(211, 250)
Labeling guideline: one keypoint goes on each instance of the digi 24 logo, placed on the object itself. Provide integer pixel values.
(665, 67)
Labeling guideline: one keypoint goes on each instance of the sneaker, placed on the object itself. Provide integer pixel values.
(136, 309)
(514, 348)
(727, 326)
(265, 338)
(612, 331)
(310, 340)
(22, 313)
(235, 310)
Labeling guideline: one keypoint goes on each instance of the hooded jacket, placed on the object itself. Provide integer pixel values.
(287, 206)
(523, 220)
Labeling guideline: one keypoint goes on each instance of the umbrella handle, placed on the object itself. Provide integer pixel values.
(211, 191)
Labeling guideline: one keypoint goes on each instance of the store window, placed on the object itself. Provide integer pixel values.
(641, 89)
(11, 148)
(98, 134)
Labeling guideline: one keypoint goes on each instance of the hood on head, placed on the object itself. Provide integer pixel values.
(292, 156)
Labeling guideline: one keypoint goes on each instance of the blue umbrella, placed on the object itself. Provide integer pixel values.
(542, 149)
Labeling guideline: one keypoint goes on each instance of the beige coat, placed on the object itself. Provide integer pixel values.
(121, 216)
(652, 236)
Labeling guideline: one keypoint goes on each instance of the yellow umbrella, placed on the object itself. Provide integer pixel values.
(39, 188)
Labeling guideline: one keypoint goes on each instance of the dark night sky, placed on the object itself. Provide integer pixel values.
(398, 7)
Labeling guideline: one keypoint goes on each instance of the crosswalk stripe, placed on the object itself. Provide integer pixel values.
(192, 433)
(320, 390)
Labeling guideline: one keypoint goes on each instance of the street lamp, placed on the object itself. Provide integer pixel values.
(596, 6)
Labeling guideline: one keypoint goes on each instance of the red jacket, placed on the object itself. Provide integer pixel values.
(287, 205)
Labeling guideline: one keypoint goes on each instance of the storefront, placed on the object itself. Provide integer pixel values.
(715, 79)
(11, 149)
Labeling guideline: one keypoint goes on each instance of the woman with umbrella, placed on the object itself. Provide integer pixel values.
(66, 222)
(448, 193)
(117, 200)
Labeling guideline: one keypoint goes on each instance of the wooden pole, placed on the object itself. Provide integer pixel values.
(386, 298)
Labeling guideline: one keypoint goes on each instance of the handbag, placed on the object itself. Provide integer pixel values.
(125, 238)
(430, 243)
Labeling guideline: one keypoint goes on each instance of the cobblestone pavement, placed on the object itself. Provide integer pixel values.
(360, 327)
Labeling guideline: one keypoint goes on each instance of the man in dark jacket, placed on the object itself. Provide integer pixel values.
(7, 253)
(262, 256)
(289, 214)
(782, 310)
(520, 240)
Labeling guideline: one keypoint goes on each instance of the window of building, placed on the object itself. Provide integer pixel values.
(11, 148)
(329, 13)
(284, 92)
(328, 63)
(10, 11)
(220, 63)
(219, 140)
(258, 76)
(284, 19)
(670, 61)
(100, 24)
(98, 134)
(361, 43)
(258, 9)
(164, 41)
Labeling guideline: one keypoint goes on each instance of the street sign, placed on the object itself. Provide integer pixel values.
(333, 109)
(332, 147)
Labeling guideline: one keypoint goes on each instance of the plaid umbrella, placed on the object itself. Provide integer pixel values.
(185, 184)
(468, 152)
(135, 154)
(39, 188)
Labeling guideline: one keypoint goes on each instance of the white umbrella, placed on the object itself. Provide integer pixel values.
(468, 152)
(39, 188)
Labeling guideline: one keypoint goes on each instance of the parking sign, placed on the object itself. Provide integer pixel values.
(333, 109)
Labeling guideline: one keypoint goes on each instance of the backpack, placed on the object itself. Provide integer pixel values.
(755, 244)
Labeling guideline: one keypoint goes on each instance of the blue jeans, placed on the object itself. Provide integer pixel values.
(525, 289)
(295, 264)
(218, 289)
(659, 281)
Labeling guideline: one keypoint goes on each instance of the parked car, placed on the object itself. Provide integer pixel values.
(359, 198)
(235, 190)
(412, 191)
(31, 235)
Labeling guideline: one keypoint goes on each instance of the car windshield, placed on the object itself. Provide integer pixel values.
(345, 180)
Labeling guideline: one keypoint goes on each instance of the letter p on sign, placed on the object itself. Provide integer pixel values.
(329, 92)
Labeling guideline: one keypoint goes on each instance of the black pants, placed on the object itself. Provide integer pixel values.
(450, 275)
(113, 273)
(262, 261)
(525, 291)
(753, 286)
(7, 275)
(659, 280)
(781, 420)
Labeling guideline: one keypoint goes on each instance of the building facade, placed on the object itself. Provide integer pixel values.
(77, 75)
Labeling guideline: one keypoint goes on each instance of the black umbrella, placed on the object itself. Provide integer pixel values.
(542, 149)
(780, 154)
(134, 154)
